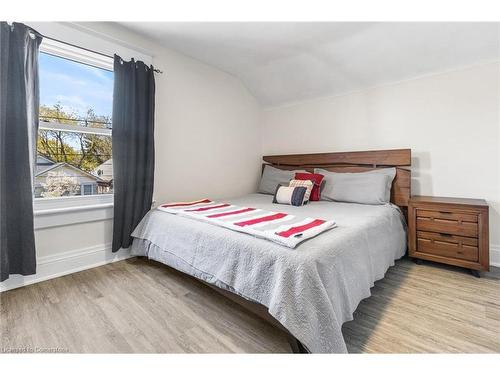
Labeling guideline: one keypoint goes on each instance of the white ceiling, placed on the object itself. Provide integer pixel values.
(288, 62)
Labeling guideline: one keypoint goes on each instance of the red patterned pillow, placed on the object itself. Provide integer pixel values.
(316, 178)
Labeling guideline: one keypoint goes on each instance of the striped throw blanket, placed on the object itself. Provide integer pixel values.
(285, 229)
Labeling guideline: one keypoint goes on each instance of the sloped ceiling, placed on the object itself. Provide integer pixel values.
(288, 62)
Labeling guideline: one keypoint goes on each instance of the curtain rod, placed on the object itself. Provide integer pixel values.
(86, 49)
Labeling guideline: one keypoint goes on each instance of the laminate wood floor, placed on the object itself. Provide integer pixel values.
(143, 306)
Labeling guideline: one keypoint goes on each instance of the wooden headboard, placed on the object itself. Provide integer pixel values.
(356, 161)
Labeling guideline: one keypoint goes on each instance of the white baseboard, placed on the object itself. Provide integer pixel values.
(52, 266)
(495, 255)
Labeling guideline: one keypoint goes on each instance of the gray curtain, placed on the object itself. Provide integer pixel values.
(19, 99)
(133, 147)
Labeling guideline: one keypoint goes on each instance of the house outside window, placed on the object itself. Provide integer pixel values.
(74, 147)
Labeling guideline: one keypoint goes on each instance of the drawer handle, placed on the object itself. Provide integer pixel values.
(445, 212)
(445, 234)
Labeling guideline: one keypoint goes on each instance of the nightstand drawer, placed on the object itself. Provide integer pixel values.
(448, 246)
(449, 226)
(448, 215)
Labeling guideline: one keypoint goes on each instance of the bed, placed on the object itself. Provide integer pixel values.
(309, 291)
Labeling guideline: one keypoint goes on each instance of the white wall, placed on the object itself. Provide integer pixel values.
(450, 121)
(207, 145)
(207, 125)
(207, 133)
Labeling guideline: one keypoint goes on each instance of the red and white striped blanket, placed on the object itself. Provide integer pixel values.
(285, 229)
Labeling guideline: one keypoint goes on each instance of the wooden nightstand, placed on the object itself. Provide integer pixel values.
(449, 230)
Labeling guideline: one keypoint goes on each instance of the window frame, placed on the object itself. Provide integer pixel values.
(43, 206)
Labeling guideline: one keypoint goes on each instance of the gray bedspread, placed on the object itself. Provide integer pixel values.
(312, 289)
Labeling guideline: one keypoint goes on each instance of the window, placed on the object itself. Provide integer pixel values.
(74, 148)
(88, 189)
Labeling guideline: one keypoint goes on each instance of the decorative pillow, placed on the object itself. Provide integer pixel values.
(290, 195)
(271, 177)
(316, 179)
(308, 184)
(381, 196)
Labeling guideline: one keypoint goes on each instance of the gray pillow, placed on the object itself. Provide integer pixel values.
(373, 187)
(272, 177)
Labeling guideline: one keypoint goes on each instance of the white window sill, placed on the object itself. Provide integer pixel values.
(72, 209)
(55, 212)
(73, 202)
